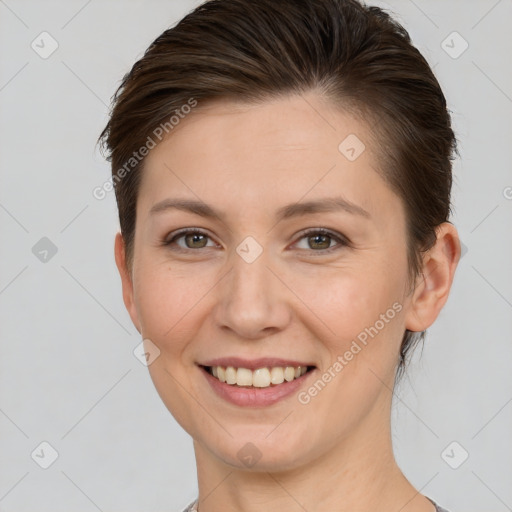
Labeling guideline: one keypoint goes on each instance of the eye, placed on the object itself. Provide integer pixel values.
(193, 239)
(319, 239)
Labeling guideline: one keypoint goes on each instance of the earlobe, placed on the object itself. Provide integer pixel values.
(126, 280)
(433, 286)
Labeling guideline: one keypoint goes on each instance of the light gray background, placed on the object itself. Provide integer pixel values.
(68, 374)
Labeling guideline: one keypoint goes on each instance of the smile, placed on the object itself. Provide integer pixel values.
(256, 382)
(259, 378)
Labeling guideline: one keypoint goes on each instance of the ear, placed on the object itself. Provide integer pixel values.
(433, 287)
(126, 280)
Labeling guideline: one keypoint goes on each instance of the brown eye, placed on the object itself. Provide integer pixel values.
(193, 239)
(320, 241)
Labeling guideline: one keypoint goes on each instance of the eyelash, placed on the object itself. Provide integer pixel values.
(341, 241)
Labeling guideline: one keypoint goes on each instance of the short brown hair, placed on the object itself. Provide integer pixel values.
(356, 55)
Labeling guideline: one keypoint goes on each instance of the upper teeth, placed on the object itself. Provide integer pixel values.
(260, 378)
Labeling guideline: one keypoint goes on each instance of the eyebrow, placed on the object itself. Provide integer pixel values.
(324, 205)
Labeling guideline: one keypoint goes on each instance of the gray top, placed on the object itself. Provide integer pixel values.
(438, 508)
(192, 507)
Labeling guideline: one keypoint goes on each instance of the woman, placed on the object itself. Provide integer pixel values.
(283, 175)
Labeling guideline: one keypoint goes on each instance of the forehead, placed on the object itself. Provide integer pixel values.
(267, 154)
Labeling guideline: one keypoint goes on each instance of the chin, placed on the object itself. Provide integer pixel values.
(261, 452)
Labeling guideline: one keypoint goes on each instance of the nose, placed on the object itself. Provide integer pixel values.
(253, 303)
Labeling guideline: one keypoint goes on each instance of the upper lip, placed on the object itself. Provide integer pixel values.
(254, 364)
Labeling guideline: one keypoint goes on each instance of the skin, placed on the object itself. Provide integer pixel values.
(295, 300)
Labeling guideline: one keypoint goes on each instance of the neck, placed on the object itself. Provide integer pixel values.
(358, 473)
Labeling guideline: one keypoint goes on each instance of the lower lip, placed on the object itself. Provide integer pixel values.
(251, 396)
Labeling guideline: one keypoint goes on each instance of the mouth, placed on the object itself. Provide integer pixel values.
(259, 382)
(264, 377)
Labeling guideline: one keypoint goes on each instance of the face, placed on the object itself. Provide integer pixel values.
(303, 260)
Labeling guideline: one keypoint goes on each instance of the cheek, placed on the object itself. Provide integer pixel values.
(347, 302)
(365, 314)
(358, 316)
(167, 302)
